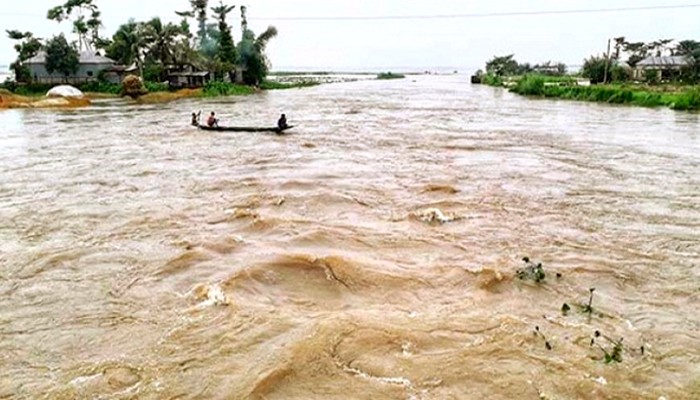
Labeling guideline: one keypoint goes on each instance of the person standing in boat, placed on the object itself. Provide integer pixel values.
(282, 122)
(212, 121)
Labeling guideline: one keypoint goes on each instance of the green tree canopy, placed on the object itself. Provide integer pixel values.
(27, 47)
(691, 50)
(161, 39)
(502, 66)
(82, 26)
(226, 49)
(128, 43)
(61, 57)
(251, 51)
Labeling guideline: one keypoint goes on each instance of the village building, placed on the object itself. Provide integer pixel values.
(665, 67)
(187, 76)
(92, 67)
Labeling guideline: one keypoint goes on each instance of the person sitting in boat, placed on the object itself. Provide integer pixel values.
(212, 121)
(282, 123)
(195, 119)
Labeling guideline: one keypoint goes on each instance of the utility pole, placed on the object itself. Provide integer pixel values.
(607, 64)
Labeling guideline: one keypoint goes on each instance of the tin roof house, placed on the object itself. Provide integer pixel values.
(664, 66)
(91, 65)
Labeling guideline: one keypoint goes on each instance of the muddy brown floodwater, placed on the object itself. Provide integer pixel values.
(369, 254)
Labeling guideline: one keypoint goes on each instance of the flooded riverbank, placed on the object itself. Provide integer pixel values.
(140, 257)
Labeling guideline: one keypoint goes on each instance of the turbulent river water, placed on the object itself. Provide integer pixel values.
(371, 253)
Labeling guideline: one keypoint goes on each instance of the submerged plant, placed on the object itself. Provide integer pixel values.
(614, 352)
(539, 333)
(532, 271)
(589, 307)
(565, 309)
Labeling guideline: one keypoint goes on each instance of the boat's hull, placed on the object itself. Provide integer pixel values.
(242, 129)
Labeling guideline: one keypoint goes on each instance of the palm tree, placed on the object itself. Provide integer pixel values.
(226, 48)
(128, 44)
(161, 40)
(252, 57)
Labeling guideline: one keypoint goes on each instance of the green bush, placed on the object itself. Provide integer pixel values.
(651, 76)
(9, 85)
(216, 88)
(156, 87)
(101, 87)
(492, 80)
(153, 72)
(688, 100)
(619, 74)
(390, 75)
(530, 85)
(32, 89)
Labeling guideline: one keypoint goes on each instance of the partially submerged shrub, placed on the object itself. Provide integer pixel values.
(532, 271)
(133, 87)
(530, 85)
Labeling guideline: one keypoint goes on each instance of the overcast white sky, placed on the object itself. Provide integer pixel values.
(461, 43)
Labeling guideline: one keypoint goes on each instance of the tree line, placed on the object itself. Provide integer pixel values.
(153, 46)
(616, 66)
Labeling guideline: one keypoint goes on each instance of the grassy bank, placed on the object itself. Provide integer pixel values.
(674, 97)
(11, 100)
(32, 95)
(273, 85)
(679, 98)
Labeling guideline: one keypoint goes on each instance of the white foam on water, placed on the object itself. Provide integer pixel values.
(435, 215)
(212, 295)
(81, 380)
(215, 297)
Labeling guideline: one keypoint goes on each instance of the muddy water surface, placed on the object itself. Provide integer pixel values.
(369, 254)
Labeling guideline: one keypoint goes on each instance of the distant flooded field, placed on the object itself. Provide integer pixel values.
(371, 253)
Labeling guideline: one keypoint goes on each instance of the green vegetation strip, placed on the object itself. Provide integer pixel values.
(272, 85)
(534, 85)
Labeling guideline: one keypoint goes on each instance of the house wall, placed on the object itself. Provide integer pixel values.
(86, 73)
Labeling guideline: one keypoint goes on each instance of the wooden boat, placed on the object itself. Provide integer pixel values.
(242, 129)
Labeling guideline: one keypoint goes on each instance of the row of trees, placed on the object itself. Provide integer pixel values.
(508, 66)
(153, 46)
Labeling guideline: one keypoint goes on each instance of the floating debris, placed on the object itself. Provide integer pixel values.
(565, 309)
(612, 354)
(539, 333)
(532, 271)
(589, 307)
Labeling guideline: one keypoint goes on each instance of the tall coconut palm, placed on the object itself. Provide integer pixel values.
(128, 45)
(199, 12)
(161, 39)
